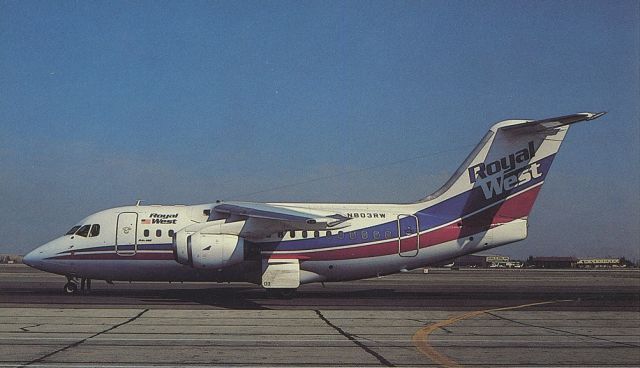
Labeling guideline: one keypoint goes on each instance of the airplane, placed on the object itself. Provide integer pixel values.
(485, 204)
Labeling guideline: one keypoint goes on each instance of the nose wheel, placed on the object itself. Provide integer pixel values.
(71, 287)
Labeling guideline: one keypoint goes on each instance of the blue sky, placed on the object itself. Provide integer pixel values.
(103, 103)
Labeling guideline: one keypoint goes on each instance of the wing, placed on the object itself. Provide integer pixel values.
(264, 219)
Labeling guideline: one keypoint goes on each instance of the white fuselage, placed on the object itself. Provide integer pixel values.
(141, 249)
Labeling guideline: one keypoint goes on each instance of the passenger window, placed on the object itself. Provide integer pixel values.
(304, 234)
(281, 235)
(327, 233)
(364, 235)
(376, 235)
(171, 232)
(158, 233)
(95, 230)
(146, 233)
(340, 234)
(84, 231)
(352, 235)
(316, 234)
(73, 230)
(387, 234)
(292, 234)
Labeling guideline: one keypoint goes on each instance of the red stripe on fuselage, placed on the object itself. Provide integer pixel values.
(516, 207)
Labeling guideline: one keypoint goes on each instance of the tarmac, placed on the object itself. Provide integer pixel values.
(443, 318)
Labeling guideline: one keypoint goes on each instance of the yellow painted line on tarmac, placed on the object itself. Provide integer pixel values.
(421, 337)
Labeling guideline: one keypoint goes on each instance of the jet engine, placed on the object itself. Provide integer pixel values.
(208, 250)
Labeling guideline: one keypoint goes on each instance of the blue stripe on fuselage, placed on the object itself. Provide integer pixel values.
(430, 217)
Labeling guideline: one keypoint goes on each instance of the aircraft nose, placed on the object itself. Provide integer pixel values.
(33, 258)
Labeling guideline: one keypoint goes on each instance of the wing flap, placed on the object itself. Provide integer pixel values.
(299, 219)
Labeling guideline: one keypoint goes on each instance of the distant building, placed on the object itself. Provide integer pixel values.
(599, 263)
(10, 258)
(496, 259)
(482, 261)
(470, 260)
(554, 262)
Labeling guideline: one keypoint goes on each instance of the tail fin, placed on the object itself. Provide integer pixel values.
(514, 157)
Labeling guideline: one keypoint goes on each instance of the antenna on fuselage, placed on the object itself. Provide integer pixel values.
(138, 201)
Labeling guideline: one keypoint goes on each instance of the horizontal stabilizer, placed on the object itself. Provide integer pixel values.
(553, 123)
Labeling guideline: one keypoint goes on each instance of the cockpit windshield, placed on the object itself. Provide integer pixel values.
(73, 230)
(83, 231)
(95, 230)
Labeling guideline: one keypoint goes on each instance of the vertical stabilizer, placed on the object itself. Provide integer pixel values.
(511, 160)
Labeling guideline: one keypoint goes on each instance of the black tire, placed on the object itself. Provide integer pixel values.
(70, 288)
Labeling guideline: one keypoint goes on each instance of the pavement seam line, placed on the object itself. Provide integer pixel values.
(79, 342)
(25, 328)
(421, 337)
(563, 331)
(351, 338)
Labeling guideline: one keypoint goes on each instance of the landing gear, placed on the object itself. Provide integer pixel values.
(85, 284)
(281, 293)
(71, 287)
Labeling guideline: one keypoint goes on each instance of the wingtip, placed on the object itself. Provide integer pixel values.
(593, 116)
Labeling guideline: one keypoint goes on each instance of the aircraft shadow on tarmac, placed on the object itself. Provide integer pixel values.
(230, 297)
(239, 298)
(338, 295)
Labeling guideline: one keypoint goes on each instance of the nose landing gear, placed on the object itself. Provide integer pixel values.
(71, 287)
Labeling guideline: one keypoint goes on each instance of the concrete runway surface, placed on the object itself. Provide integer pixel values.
(445, 318)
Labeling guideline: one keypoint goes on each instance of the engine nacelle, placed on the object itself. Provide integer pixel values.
(209, 250)
(179, 246)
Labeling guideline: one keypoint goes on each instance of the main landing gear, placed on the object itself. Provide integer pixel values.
(71, 287)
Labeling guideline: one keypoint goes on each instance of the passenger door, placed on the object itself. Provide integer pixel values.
(408, 236)
(126, 234)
